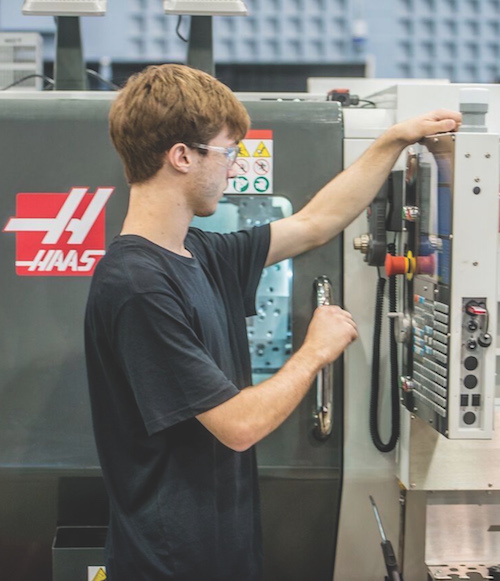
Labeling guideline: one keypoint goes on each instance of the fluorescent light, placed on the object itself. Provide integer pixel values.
(206, 7)
(65, 7)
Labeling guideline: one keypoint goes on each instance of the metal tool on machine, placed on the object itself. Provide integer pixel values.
(390, 561)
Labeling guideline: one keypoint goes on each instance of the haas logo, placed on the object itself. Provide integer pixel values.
(59, 234)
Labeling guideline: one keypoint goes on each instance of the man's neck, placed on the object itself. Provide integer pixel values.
(159, 214)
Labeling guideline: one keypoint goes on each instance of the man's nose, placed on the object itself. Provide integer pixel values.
(232, 172)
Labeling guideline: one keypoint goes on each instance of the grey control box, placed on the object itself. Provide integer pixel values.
(449, 368)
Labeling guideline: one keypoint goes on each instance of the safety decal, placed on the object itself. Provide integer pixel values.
(59, 234)
(243, 150)
(96, 574)
(261, 150)
(241, 184)
(255, 175)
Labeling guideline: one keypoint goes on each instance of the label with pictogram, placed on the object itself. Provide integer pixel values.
(96, 574)
(243, 150)
(261, 150)
(261, 167)
(59, 234)
(241, 184)
(255, 160)
(261, 185)
(243, 166)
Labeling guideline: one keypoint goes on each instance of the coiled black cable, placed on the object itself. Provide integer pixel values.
(375, 388)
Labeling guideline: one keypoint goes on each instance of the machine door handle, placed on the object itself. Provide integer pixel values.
(323, 416)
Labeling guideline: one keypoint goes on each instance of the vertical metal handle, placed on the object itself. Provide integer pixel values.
(323, 416)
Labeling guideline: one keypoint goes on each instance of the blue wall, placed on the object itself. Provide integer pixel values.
(456, 39)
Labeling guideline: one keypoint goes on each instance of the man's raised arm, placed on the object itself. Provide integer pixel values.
(342, 199)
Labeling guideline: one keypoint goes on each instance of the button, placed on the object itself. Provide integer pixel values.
(464, 400)
(469, 418)
(419, 321)
(440, 380)
(476, 400)
(475, 310)
(470, 381)
(396, 265)
(485, 340)
(441, 370)
(441, 307)
(472, 325)
(471, 345)
(441, 318)
(470, 363)
(441, 358)
(441, 337)
(440, 347)
(440, 327)
(441, 401)
(430, 364)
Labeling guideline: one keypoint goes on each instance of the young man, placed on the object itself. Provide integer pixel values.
(174, 411)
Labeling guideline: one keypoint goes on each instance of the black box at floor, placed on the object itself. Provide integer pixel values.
(78, 554)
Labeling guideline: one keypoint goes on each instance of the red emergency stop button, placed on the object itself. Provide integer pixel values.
(476, 310)
(396, 265)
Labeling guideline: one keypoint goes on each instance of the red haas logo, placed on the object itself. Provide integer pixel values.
(59, 234)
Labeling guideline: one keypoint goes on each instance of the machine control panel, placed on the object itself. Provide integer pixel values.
(430, 347)
(450, 288)
(431, 333)
(476, 340)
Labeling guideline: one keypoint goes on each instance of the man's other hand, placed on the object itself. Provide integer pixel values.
(331, 330)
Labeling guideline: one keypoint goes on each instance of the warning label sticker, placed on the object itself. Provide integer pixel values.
(261, 150)
(255, 175)
(96, 574)
(59, 234)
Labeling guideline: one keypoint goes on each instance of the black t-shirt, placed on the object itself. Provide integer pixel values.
(165, 340)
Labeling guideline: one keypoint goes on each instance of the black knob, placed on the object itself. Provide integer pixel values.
(470, 381)
(484, 340)
(469, 418)
(494, 572)
(470, 363)
(471, 345)
(472, 325)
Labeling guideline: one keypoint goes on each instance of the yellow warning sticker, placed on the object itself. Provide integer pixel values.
(254, 165)
(97, 574)
(261, 151)
(243, 150)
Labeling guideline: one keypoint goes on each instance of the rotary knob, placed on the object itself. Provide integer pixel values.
(362, 243)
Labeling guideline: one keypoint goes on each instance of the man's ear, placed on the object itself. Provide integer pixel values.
(180, 157)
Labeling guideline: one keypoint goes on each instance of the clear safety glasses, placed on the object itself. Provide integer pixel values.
(230, 153)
